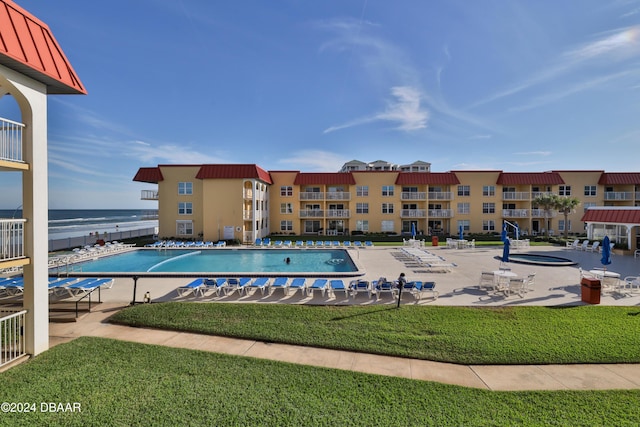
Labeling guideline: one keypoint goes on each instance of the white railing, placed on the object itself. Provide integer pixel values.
(535, 194)
(618, 195)
(541, 213)
(413, 213)
(10, 140)
(515, 213)
(11, 239)
(440, 195)
(247, 215)
(310, 195)
(149, 195)
(338, 213)
(12, 343)
(440, 213)
(409, 195)
(516, 195)
(338, 195)
(311, 213)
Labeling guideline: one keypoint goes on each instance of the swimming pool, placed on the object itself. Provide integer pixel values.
(538, 259)
(209, 261)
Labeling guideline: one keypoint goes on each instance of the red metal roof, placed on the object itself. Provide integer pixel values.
(324, 178)
(614, 216)
(233, 172)
(619, 178)
(427, 178)
(151, 175)
(529, 178)
(28, 46)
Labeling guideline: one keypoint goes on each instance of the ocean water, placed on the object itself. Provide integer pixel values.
(65, 223)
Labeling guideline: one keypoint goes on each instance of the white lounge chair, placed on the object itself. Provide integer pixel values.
(236, 284)
(88, 285)
(382, 285)
(573, 245)
(360, 286)
(593, 247)
(279, 283)
(584, 245)
(632, 283)
(487, 281)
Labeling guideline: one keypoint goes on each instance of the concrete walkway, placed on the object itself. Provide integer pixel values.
(505, 378)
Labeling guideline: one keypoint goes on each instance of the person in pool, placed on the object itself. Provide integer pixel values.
(287, 260)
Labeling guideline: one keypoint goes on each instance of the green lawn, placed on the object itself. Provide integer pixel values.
(505, 335)
(128, 384)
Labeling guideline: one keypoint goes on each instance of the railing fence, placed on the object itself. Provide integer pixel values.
(12, 343)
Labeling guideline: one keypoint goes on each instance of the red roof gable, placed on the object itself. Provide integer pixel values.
(28, 46)
(615, 216)
(322, 178)
(529, 178)
(233, 172)
(151, 175)
(620, 178)
(427, 178)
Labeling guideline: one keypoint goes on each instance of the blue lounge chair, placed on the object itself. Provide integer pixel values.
(368, 243)
(337, 285)
(279, 283)
(382, 286)
(298, 283)
(194, 287)
(299, 243)
(346, 243)
(235, 284)
(360, 286)
(261, 283)
(317, 285)
(310, 243)
(357, 244)
(258, 242)
(56, 284)
(88, 285)
(12, 286)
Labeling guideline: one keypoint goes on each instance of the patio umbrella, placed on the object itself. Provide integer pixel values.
(505, 251)
(606, 252)
(413, 230)
(503, 235)
(461, 232)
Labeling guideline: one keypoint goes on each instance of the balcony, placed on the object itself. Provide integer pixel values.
(11, 140)
(248, 194)
(535, 194)
(311, 213)
(440, 213)
(413, 213)
(515, 213)
(151, 214)
(541, 213)
(619, 195)
(149, 195)
(247, 215)
(338, 195)
(440, 195)
(11, 239)
(338, 213)
(408, 195)
(516, 195)
(311, 196)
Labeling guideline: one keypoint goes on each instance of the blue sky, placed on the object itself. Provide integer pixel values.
(308, 85)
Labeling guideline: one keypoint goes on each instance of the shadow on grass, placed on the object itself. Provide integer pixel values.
(368, 312)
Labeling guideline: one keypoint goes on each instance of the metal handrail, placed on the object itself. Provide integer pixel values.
(88, 294)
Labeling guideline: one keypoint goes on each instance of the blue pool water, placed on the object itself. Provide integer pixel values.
(224, 261)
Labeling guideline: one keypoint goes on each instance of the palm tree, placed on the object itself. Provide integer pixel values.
(547, 202)
(566, 205)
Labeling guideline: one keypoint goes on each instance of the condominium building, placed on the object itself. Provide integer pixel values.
(245, 202)
(32, 66)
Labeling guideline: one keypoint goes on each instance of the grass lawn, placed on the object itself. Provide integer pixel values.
(505, 335)
(128, 384)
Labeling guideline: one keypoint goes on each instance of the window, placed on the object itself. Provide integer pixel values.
(362, 225)
(590, 190)
(587, 205)
(488, 225)
(488, 208)
(362, 208)
(387, 190)
(362, 190)
(311, 226)
(386, 226)
(464, 208)
(489, 190)
(464, 190)
(561, 225)
(286, 191)
(387, 208)
(184, 228)
(465, 224)
(564, 190)
(185, 208)
(286, 208)
(286, 225)
(185, 188)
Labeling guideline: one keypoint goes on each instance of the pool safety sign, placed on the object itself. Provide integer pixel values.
(228, 232)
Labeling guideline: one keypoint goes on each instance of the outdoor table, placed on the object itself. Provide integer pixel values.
(600, 274)
(462, 243)
(502, 278)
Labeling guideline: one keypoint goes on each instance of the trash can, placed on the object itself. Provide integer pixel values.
(591, 289)
(434, 240)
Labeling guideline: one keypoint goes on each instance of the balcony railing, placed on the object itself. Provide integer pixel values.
(440, 213)
(535, 194)
(516, 195)
(311, 213)
(618, 195)
(149, 195)
(338, 195)
(311, 196)
(413, 213)
(338, 213)
(440, 195)
(408, 195)
(541, 213)
(11, 239)
(248, 194)
(11, 140)
(515, 213)
(12, 343)
(149, 214)
(247, 215)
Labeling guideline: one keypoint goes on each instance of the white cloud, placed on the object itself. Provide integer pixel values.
(314, 161)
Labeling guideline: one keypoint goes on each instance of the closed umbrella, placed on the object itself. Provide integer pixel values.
(413, 230)
(503, 235)
(606, 252)
(505, 251)
(461, 232)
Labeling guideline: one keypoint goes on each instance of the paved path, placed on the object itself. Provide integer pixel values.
(506, 378)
